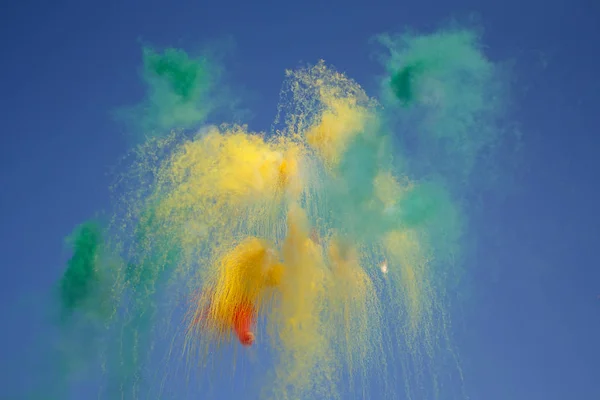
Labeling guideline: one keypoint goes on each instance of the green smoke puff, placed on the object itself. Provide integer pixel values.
(403, 82)
(421, 204)
(185, 77)
(180, 93)
(179, 89)
(81, 276)
(457, 99)
(86, 306)
(446, 102)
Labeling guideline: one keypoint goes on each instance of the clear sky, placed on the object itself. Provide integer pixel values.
(534, 330)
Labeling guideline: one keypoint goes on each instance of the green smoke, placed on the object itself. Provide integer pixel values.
(81, 277)
(457, 99)
(446, 101)
(180, 93)
(179, 88)
(403, 82)
(185, 77)
(85, 298)
(421, 204)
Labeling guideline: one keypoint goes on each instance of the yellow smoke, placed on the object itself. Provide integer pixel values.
(244, 208)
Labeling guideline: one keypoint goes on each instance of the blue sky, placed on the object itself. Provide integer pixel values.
(534, 331)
